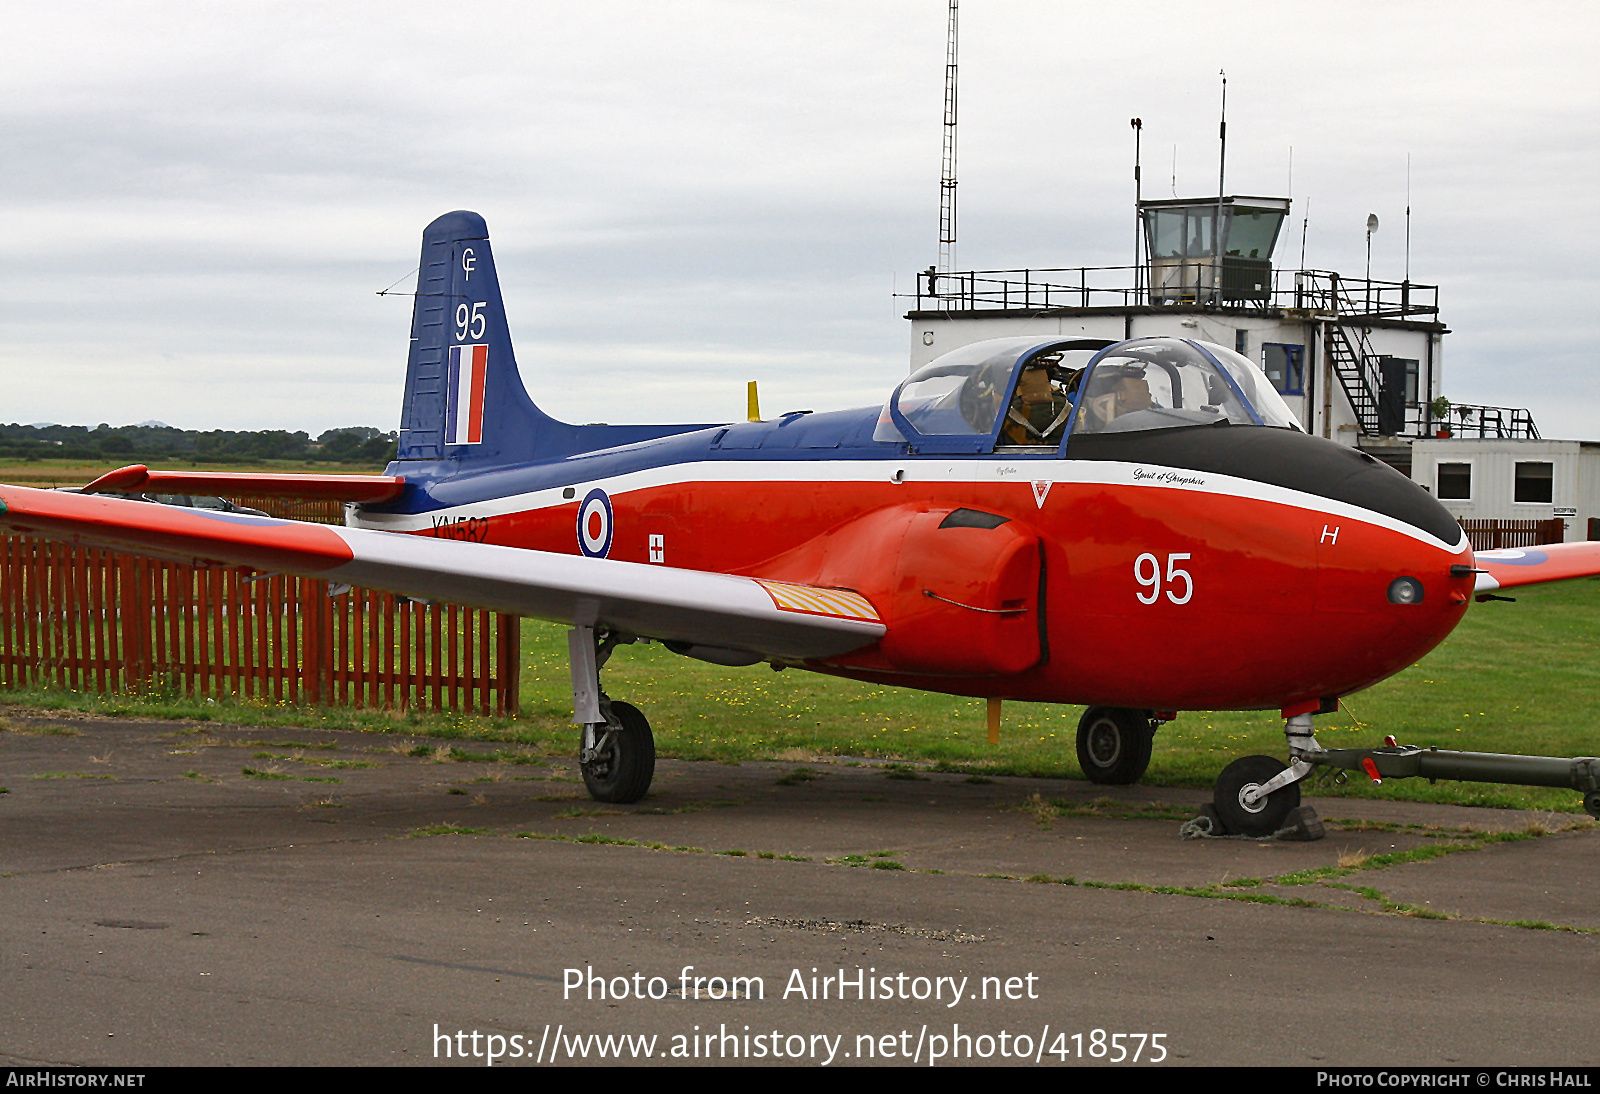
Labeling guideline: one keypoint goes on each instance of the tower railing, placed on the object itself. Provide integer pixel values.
(1321, 292)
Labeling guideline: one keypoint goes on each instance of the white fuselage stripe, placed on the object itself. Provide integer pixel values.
(1022, 472)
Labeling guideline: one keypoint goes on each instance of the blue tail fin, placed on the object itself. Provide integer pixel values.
(464, 400)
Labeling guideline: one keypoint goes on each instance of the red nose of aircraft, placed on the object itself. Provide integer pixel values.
(1384, 598)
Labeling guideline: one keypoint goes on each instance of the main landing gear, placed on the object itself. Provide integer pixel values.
(618, 758)
(1114, 744)
(1259, 796)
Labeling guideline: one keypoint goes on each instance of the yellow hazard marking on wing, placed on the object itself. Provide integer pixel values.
(839, 603)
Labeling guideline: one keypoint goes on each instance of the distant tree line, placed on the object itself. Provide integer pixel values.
(154, 442)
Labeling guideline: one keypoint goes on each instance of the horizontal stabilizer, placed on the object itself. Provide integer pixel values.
(1508, 567)
(139, 479)
(776, 620)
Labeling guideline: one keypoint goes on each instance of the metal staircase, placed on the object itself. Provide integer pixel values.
(1348, 347)
(1356, 365)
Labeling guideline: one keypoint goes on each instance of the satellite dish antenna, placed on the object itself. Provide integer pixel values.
(1372, 223)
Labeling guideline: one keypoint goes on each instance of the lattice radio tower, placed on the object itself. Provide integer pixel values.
(947, 165)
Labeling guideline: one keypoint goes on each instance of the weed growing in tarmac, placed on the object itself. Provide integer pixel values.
(1045, 811)
(52, 730)
(446, 829)
(799, 775)
(686, 807)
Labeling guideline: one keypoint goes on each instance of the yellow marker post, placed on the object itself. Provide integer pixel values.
(754, 403)
(994, 721)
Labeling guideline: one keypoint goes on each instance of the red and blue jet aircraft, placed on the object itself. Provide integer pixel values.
(1161, 537)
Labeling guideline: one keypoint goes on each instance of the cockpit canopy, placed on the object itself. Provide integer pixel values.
(973, 397)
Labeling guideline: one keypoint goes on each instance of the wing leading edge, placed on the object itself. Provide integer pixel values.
(777, 620)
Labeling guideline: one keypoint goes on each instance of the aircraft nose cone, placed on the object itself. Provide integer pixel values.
(1385, 596)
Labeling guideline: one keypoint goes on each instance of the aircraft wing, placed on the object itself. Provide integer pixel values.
(1509, 567)
(772, 618)
(139, 479)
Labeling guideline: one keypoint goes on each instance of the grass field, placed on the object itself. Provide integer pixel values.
(1518, 677)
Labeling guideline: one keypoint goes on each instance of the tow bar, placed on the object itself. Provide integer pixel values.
(1397, 761)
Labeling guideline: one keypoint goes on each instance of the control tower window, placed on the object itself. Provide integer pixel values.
(1252, 233)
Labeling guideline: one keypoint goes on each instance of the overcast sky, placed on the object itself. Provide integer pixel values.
(201, 200)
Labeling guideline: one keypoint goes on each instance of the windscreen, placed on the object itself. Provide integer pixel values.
(1255, 386)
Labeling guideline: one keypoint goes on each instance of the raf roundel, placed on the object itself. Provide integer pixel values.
(594, 524)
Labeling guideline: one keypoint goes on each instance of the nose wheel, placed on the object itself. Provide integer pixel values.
(1241, 806)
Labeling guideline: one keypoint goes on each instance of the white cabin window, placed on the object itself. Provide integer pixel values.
(1535, 482)
(1453, 481)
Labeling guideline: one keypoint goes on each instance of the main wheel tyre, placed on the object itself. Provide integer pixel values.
(1262, 817)
(622, 770)
(1114, 744)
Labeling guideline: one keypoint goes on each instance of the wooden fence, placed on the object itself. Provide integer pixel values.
(315, 510)
(1486, 535)
(90, 620)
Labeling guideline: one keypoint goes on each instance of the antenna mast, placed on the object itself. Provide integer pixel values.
(1222, 173)
(1408, 216)
(947, 164)
(1138, 218)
